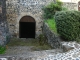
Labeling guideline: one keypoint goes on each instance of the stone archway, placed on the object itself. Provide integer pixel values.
(27, 26)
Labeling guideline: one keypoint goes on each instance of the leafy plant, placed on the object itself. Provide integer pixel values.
(78, 38)
(68, 24)
(51, 9)
(2, 49)
(42, 39)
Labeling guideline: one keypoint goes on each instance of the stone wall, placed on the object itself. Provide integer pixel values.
(3, 23)
(70, 6)
(16, 9)
(53, 38)
(75, 1)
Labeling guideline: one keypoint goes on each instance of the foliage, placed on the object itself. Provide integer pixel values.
(43, 42)
(68, 24)
(59, 2)
(50, 9)
(64, 9)
(52, 24)
(42, 39)
(2, 49)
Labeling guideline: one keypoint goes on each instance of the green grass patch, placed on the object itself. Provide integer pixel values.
(2, 49)
(52, 24)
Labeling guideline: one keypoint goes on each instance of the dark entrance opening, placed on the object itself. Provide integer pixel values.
(27, 27)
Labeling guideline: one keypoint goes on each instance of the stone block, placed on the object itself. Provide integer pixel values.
(67, 48)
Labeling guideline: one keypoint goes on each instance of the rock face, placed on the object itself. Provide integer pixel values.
(67, 48)
(16, 9)
(53, 39)
(3, 23)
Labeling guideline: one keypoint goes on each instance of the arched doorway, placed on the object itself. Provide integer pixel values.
(27, 27)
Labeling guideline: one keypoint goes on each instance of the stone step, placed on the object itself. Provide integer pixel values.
(34, 55)
(17, 58)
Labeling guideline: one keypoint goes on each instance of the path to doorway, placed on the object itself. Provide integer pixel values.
(25, 53)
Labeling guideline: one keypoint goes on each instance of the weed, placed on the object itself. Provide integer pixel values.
(2, 49)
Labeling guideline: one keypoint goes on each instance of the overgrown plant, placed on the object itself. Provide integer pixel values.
(78, 38)
(68, 24)
(2, 49)
(42, 39)
(51, 9)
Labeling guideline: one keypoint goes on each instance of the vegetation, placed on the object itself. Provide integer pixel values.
(50, 10)
(64, 9)
(52, 24)
(2, 49)
(68, 24)
(42, 39)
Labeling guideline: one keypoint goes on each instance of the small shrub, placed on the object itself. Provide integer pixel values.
(51, 9)
(2, 49)
(68, 24)
(42, 39)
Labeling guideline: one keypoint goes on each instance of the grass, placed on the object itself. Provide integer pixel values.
(29, 42)
(2, 49)
(52, 24)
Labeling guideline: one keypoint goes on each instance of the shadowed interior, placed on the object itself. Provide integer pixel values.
(27, 27)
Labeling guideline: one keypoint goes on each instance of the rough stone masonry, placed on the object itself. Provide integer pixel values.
(16, 9)
(11, 11)
(3, 23)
